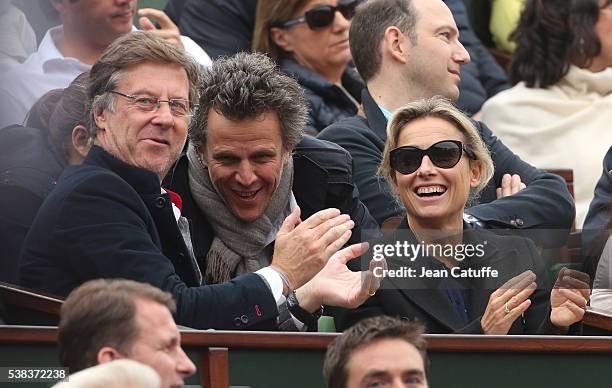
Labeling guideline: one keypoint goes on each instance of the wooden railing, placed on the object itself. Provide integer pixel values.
(214, 347)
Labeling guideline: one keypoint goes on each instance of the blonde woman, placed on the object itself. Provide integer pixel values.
(458, 280)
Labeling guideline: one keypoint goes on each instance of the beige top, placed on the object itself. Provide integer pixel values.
(568, 125)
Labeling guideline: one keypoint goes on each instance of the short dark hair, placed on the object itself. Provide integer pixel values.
(101, 313)
(552, 35)
(247, 85)
(129, 50)
(368, 27)
(363, 334)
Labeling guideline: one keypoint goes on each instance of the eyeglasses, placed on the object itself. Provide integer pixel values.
(178, 106)
(323, 15)
(443, 154)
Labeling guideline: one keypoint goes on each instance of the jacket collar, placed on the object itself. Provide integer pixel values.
(143, 181)
(319, 84)
(376, 119)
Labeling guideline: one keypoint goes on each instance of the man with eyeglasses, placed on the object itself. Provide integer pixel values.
(66, 51)
(409, 49)
(109, 218)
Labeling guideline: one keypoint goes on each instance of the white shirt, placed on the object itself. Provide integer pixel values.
(17, 38)
(46, 69)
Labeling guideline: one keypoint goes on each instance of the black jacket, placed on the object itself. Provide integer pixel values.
(221, 27)
(545, 203)
(424, 299)
(29, 169)
(322, 178)
(482, 78)
(327, 103)
(597, 223)
(108, 219)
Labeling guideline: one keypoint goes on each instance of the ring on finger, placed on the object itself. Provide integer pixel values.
(506, 309)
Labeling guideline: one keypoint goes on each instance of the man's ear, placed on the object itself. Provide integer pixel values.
(99, 116)
(288, 154)
(395, 44)
(281, 38)
(81, 140)
(108, 354)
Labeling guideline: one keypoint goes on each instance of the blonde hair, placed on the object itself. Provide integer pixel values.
(443, 109)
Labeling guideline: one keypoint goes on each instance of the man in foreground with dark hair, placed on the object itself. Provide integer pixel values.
(406, 50)
(106, 320)
(379, 351)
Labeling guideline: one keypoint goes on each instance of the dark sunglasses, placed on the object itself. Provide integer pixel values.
(443, 154)
(323, 15)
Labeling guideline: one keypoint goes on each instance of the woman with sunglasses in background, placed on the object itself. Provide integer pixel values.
(309, 41)
(460, 280)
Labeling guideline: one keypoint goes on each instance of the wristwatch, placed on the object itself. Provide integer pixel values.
(309, 319)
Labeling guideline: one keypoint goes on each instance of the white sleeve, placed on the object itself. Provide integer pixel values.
(193, 49)
(275, 282)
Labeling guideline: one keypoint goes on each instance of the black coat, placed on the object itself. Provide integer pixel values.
(482, 78)
(327, 103)
(29, 169)
(322, 178)
(425, 300)
(545, 203)
(597, 222)
(108, 219)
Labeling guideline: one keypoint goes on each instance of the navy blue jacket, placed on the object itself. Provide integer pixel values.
(425, 298)
(327, 103)
(108, 219)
